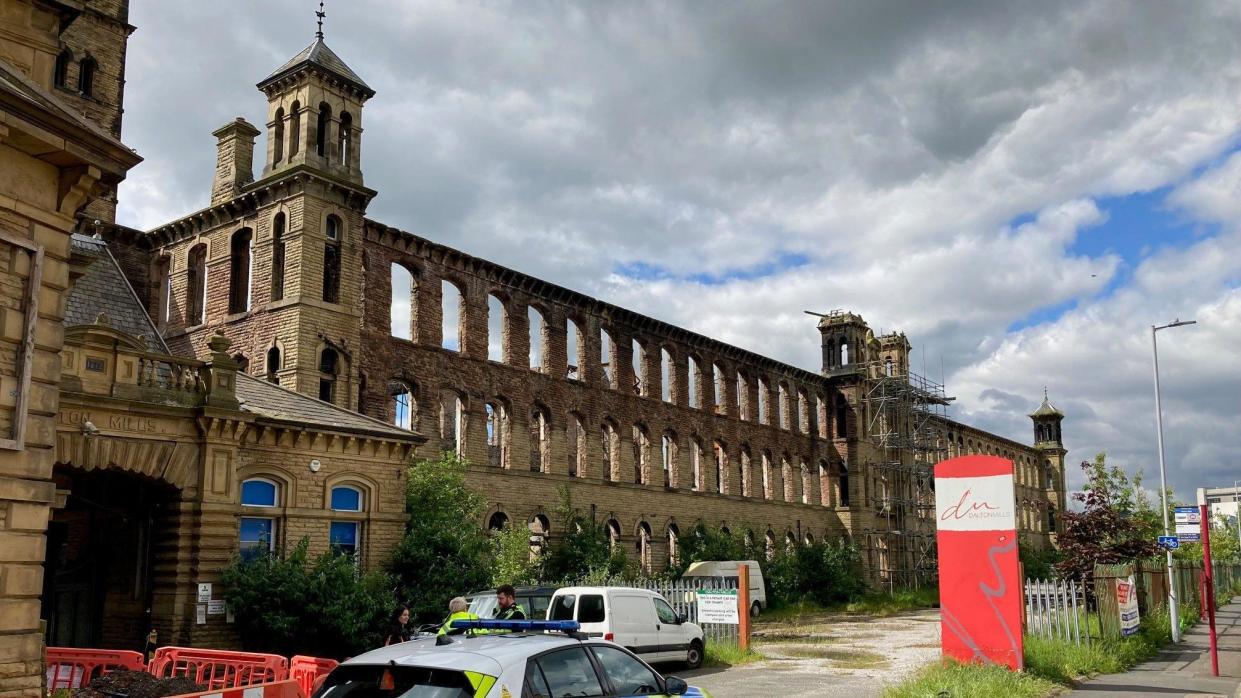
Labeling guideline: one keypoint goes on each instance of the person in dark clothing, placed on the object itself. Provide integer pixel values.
(507, 607)
(399, 630)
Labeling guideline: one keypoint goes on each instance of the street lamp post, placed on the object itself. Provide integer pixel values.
(1163, 485)
(1237, 502)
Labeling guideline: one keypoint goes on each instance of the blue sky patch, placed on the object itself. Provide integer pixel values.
(783, 261)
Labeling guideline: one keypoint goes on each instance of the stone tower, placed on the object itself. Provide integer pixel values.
(1048, 442)
(844, 338)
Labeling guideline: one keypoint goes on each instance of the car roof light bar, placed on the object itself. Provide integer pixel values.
(566, 626)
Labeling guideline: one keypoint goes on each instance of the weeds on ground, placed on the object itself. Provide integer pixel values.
(729, 655)
(970, 681)
(900, 601)
(795, 612)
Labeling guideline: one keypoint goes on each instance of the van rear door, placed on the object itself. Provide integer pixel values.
(635, 624)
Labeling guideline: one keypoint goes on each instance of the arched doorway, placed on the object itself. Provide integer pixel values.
(103, 546)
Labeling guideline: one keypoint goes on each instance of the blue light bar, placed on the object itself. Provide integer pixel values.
(516, 625)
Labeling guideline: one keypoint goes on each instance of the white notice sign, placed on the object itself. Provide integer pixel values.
(718, 606)
(1127, 601)
(201, 615)
(215, 607)
(204, 592)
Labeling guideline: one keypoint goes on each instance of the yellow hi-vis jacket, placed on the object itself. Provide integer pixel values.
(447, 629)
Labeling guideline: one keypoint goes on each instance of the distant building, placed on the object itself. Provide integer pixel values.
(1224, 501)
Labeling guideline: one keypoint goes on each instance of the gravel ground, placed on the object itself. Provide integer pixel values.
(827, 655)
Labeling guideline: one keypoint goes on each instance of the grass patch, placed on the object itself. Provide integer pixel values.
(729, 655)
(795, 612)
(970, 681)
(900, 601)
(780, 637)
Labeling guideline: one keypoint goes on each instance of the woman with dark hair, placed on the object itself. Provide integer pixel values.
(399, 630)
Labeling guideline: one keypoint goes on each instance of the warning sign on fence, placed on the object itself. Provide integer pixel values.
(1127, 602)
(718, 606)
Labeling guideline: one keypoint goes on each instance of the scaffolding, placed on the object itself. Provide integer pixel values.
(905, 413)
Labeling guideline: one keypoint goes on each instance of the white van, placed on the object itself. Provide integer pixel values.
(637, 619)
(727, 569)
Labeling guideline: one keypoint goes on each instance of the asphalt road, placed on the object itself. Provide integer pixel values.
(827, 655)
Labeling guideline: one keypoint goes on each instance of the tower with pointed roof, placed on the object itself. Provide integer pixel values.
(1048, 441)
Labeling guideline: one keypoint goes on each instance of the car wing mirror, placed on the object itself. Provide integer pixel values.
(675, 686)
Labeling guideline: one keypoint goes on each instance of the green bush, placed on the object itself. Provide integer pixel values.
(511, 562)
(445, 552)
(825, 573)
(288, 605)
(582, 550)
(949, 678)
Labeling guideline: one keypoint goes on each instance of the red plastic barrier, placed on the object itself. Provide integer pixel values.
(279, 689)
(217, 669)
(71, 667)
(309, 671)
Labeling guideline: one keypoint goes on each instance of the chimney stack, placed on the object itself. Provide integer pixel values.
(234, 161)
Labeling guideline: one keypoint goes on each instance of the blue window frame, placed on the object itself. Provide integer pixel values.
(346, 499)
(258, 493)
(258, 536)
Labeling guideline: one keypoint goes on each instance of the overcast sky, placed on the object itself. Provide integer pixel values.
(1023, 188)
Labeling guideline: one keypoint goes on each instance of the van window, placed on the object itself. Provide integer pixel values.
(395, 681)
(591, 610)
(536, 606)
(665, 612)
(562, 608)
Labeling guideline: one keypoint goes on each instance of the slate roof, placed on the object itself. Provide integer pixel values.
(104, 289)
(269, 400)
(1046, 409)
(319, 54)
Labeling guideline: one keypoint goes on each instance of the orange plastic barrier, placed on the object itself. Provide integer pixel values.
(309, 671)
(218, 669)
(71, 667)
(279, 689)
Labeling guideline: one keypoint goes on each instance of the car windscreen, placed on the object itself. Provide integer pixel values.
(395, 682)
(484, 606)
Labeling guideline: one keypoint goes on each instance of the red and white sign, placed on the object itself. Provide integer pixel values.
(980, 590)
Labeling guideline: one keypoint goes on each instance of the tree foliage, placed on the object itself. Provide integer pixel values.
(445, 552)
(1116, 525)
(290, 605)
(511, 559)
(582, 548)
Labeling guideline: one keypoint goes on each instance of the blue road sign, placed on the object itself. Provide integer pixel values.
(1169, 542)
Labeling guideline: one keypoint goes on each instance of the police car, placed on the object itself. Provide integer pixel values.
(527, 659)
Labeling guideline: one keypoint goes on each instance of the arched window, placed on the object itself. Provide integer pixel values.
(258, 527)
(196, 286)
(333, 232)
(769, 545)
(239, 271)
(497, 522)
(611, 448)
(277, 256)
(790, 541)
(498, 434)
(695, 377)
(451, 298)
(720, 456)
(825, 484)
(786, 476)
(668, 454)
(401, 316)
(277, 137)
(766, 474)
(86, 76)
(807, 484)
(696, 463)
(452, 422)
(644, 547)
(576, 433)
(719, 391)
(641, 454)
(820, 412)
(573, 350)
(404, 407)
(60, 78)
(842, 417)
(273, 365)
(743, 397)
(295, 128)
(344, 146)
(665, 375)
(344, 537)
(844, 484)
(744, 486)
(764, 396)
(538, 337)
(497, 325)
(809, 539)
(804, 417)
(674, 539)
(638, 359)
(321, 130)
(782, 405)
(614, 533)
(606, 358)
(329, 362)
(540, 440)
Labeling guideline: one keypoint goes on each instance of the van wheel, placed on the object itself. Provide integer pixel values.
(693, 658)
(755, 608)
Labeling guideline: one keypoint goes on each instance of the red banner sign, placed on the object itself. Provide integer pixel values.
(980, 590)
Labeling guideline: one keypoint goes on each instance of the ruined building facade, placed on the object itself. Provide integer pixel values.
(653, 427)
